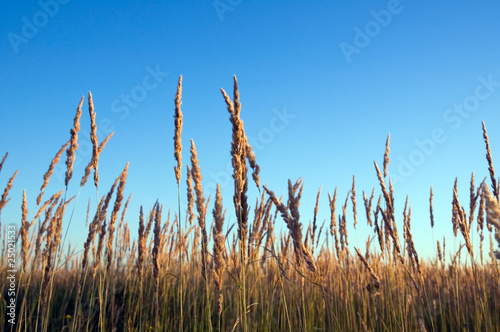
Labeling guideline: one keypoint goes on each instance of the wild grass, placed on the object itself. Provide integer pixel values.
(169, 277)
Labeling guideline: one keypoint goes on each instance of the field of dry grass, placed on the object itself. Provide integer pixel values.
(177, 273)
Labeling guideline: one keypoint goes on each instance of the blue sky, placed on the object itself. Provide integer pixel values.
(322, 83)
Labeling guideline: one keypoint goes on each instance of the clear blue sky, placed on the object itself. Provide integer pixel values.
(322, 83)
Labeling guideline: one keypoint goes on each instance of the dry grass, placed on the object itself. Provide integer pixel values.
(262, 281)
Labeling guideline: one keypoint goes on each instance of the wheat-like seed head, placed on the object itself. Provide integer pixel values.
(201, 207)
(492, 214)
(24, 231)
(219, 262)
(93, 227)
(461, 221)
(93, 139)
(353, 199)
(386, 155)
(197, 177)
(178, 131)
(141, 247)
(259, 237)
(379, 230)
(455, 211)
(368, 207)
(4, 199)
(190, 196)
(48, 174)
(489, 158)
(57, 237)
(444, 249)
(387, 195)
(114, 215)
(390, 231)
(440, 254)
(255, 227)
(103, 223)
(93, 162)
(53, 201)
(431, 209)
(253, 164)
(375, 278)
(292, 221)
(70, 152)
(333, 222)
(102, 145)
(343, 223)
(239, 148)
(3, 160)
(480, 223)
(44, 205)
(125, 207)
(405, 219)
(315, 215)
(309, 259)
(156, 267)
(473, 202)
(412, 252)
(480, 212)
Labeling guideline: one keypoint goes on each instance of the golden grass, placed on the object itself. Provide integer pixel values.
(73, 144)
(262, 281)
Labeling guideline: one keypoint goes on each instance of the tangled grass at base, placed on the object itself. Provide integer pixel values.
(180, 274)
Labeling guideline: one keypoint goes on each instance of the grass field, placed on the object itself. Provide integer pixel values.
(181, 274)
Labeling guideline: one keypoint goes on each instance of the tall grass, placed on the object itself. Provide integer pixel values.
(304, 279)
